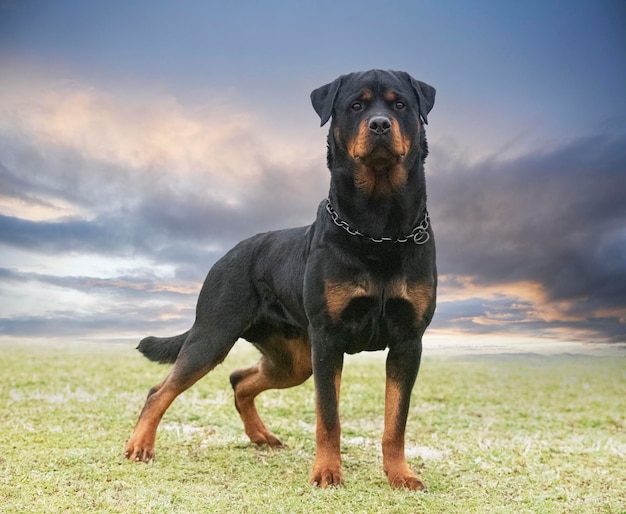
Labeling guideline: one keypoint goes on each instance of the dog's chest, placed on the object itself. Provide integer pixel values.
(372, 315)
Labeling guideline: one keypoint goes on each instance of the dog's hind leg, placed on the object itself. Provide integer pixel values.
(226, 306)
(284, 363)
(197, 357)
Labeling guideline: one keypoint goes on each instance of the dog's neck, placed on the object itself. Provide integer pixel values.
(391, 215)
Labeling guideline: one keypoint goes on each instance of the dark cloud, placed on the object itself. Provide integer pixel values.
(556, 218)
(170, 227)
(187, 219)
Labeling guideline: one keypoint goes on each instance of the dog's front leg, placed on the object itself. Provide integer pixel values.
(402, 366)
(327, 367)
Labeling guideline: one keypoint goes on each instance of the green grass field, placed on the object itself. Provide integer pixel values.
(488, 434)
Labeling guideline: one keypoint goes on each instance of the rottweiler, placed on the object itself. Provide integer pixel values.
(362, 277)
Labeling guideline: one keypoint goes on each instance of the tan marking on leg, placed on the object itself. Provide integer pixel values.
(248, 383)
(394, 460)
(327, 465)
(140, 446)
(249, 386)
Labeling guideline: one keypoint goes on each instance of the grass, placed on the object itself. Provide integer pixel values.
(488, 434)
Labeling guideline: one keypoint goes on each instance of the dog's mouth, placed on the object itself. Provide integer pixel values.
(379, 156)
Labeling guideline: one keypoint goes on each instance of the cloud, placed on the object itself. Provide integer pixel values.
(533, 245)
(85, 172)
(545, 231)
(91, 306)
(86, 177)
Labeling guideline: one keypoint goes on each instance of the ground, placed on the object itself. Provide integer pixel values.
(487, 433)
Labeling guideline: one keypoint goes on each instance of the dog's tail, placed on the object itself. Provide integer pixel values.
(163, 350)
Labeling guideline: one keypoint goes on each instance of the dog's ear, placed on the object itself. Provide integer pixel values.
(425, 96)
(323, 99)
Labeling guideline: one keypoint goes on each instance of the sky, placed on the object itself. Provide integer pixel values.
(139, 141)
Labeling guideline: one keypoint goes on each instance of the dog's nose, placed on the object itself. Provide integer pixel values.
(380, 124)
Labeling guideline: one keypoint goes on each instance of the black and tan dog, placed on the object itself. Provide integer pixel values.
(362, 277)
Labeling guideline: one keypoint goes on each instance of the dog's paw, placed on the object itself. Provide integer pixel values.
(138, 453)
(273, 442)
(406, 481)
(327, 477)
(265, 438)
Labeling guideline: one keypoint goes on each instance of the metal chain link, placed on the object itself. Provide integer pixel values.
(419, 235)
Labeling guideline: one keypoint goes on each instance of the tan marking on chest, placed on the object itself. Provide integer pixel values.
(339, 294)
(419, 295)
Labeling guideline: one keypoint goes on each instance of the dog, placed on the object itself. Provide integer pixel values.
(362, 277)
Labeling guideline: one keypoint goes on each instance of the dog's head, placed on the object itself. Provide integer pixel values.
(377, 126)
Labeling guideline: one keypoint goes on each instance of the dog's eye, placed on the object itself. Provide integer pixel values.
(400, 105)
(356, 106)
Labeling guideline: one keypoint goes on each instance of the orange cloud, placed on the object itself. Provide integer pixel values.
(529, 301)
(215, 145)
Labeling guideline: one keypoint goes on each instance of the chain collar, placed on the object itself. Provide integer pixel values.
(419, 235)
